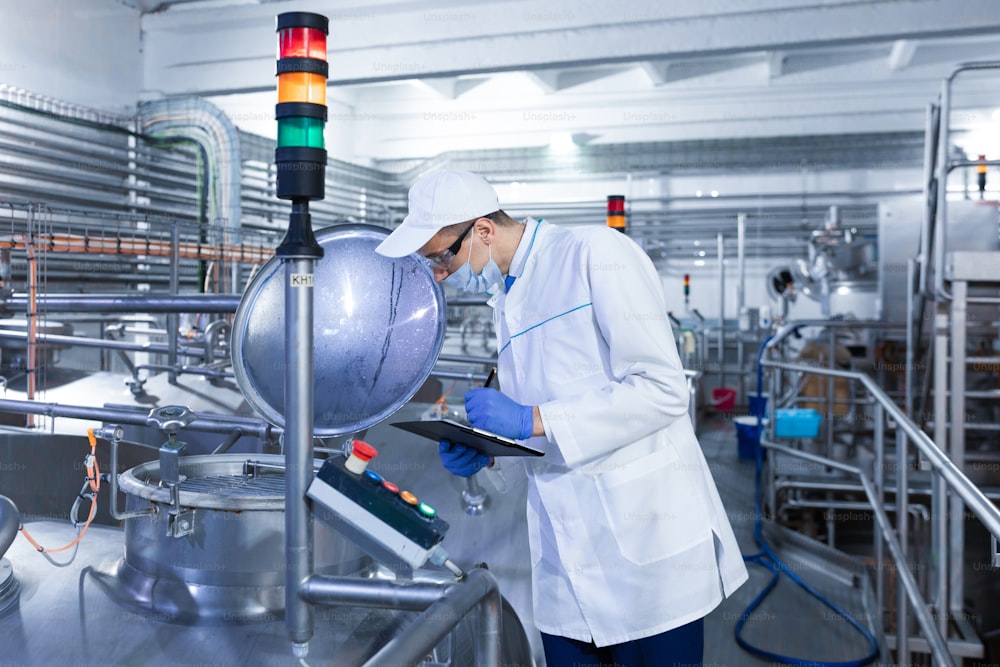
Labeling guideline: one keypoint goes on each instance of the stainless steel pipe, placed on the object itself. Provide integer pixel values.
(298, 449)
(479, 589)
(59, 339)
(206, 423)
(117, 303)
(377, 593)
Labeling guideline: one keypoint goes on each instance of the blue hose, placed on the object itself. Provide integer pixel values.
(768, 559)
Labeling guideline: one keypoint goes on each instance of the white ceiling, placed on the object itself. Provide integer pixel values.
(413, 79)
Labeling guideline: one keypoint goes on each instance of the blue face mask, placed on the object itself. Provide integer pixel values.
(464, 280)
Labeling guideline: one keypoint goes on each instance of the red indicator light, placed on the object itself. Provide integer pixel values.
(302, 43)
(616, 212)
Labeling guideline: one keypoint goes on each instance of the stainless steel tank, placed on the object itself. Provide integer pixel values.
(379, 327)
(231, 568)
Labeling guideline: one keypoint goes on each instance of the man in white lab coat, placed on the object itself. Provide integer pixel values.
(630, 544)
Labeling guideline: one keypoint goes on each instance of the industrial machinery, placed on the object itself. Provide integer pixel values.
(250, 533)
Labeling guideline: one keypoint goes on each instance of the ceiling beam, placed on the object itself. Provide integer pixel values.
(656, 71)
(231, 49)
(547, 82)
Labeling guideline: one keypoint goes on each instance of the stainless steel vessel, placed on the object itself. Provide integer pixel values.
(231, 568)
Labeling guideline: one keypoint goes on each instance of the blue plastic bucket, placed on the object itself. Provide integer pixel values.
(747, 437)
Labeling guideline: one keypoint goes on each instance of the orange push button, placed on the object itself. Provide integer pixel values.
(408, 497)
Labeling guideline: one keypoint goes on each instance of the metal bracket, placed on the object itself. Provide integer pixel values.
(180, 523)
(171, 419)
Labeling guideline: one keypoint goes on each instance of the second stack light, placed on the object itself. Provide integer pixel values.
(616, 212)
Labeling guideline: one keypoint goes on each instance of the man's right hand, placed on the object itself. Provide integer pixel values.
(460, 459)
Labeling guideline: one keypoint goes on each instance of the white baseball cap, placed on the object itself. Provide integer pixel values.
(436, 201)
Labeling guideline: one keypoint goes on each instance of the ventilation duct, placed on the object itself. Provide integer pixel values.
(195, 119)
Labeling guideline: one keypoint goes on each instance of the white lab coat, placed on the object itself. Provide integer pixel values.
(627, 532)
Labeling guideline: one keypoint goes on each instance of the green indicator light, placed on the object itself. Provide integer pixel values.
(301, 131)
(427, 510)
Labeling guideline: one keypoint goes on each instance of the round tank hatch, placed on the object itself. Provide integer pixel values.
(378, 326)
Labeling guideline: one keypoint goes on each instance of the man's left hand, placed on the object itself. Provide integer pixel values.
(492, 411)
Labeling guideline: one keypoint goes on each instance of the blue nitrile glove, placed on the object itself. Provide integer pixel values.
(492, 411)
(460, 459)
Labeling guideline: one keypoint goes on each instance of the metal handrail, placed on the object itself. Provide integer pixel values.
(939, 648)
(980, 505)
(984, 510)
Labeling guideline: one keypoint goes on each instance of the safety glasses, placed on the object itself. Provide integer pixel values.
(443, 259)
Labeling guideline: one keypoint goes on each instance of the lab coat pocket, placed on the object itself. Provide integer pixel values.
(653, 507)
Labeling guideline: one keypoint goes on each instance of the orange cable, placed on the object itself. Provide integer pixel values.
(94, 478)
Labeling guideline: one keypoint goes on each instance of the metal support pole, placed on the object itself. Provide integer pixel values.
(911, 341)
(172, 319)
(930, 134)
(741, 226)
(879, 483)
(830, 388)
(298, 447)
(941, 217)
(956, 448)
(720, 244)
(903, 534)
(741, 223)
(938, 557)
(939, 501)
(773, 386)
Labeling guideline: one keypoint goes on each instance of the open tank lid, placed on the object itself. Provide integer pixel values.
(378, 326)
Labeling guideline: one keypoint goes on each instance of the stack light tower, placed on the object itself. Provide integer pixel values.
(300, 158)
(616, 212)
(301, 113)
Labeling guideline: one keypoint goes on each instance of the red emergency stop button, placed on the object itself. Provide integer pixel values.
(361, 454)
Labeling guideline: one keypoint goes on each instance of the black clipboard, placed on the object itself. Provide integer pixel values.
(488, 443)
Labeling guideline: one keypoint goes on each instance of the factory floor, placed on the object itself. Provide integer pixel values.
(789, 622)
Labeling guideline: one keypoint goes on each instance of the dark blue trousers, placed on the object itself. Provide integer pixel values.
(680, 647)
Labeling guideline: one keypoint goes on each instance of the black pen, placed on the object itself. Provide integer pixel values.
(489, 378)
